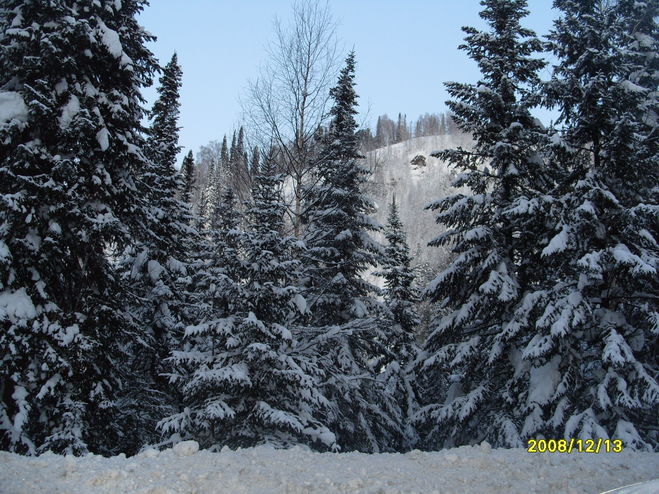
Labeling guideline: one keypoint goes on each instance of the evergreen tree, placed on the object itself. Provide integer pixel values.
(247, 384)
(400, 293)
(232, 149)
(402, 132)
(239, 168)
(226, 234)
(240, 145)
(71, 72)
(157, 260)
(255, 161)
(163, 144)
(401, 296)
(188, 172)
(598, 322)
(337, 235)
(215, 281)
(224, 153)
(202, 210)
(378, 132)
(476, 383)
(342, 308)
(218, 179)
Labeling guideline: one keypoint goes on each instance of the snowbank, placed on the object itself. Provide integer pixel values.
(184, 469)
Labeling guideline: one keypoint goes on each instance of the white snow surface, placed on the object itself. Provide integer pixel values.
(184, 469)
(12, 106)
(414, 187)
(155, 270)
(103, 136)
(110, 39)
(16, 305)
(69, 111)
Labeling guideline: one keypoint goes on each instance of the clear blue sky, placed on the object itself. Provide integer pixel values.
(405, 52)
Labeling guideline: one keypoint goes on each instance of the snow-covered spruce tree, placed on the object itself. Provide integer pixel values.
(349, 337)
(247, 383)
(162, 146)
(188, 175)
(224, 153)
(476, 386)
(401, 297)
(70, 139)
(238, 167)
(254, 161)
(226, 235)
(220, 266)
(156, 264)
(400, 292)
(219, 179)
(597, 331)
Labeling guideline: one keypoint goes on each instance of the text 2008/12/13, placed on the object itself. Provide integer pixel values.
(574, 445)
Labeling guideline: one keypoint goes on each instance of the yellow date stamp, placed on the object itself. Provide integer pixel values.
(574, 445)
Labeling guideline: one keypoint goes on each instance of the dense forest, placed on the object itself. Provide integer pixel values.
(233, 302)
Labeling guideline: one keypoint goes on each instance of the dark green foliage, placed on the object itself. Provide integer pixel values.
(188, 172)
(346, 324)
(475, 387)
(162, 146)
(247, 383)
(338, 224)
(401, 297)
(156, 264)
(400, 293)
(68, 203)
(598, 323)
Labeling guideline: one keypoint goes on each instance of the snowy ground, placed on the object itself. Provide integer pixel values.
(184, 470)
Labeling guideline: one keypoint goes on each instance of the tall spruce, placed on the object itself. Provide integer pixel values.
(338, 228)
(157, 260)
(477, 385)
(598, 326)
(220, 179)
(350, 337)
(198, 372)
(401, 297)
(215, 283)
(70, 140)
(239, 167)
(163, 145)
(224, 153)
(254, 161)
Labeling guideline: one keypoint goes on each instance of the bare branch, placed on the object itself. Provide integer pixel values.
(289, 101)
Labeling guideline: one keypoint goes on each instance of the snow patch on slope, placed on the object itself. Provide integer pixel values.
(414, 187)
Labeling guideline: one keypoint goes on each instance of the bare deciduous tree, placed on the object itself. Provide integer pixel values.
(287, 104)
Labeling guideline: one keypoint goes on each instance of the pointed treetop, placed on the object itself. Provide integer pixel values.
(163, 146)
(344, 125)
